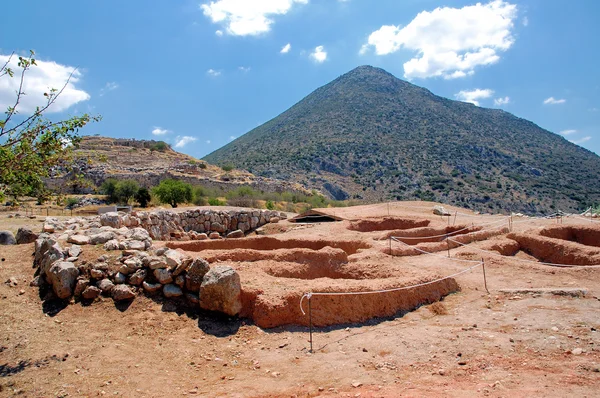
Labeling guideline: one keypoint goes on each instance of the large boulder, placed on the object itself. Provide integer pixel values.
(121, 293)
(195, 274)
(440, 211)
(238, 233)
(111, 219)
(79, 239)
(221, 290)
(102, 238)
(49, 256)
(171, 291)
(25, 235)
(7, 238)
(177, 261)
(63, 277)
(91, 292)
(163, 276)
(138, 277)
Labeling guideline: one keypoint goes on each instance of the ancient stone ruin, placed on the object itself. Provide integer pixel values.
(140, 268)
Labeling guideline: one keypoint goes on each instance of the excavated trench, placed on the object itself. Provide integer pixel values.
(415, 236)
(387, 224)
(408, 249)
(585, 235)
(268, 311)
(563, 247)
(269, 243)
(275, 273)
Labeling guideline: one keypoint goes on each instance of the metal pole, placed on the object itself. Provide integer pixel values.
(310, 324)
(484, 277)
(455, 213)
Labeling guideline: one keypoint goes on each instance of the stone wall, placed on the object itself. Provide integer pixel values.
(193, 224)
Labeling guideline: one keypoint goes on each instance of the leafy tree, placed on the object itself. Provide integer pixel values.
(30, 146)
(109, 188)
(173, 192)
(126, 190)
(143, 197)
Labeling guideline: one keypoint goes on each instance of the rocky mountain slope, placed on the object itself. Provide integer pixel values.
(148, 162)
(368, 135)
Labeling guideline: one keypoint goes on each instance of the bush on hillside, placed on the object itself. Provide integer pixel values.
(173, 192)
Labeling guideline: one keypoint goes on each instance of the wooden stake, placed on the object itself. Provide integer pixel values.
(448, 245)
(455, 213)
(310, 324)
(484, 277)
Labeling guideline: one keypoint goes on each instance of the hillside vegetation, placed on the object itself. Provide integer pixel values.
(368, 135)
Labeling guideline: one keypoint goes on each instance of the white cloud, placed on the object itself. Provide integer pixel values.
(502, 101)
(474, 96)
(110, 86)
(219, 32)
(450, 42)
(581, 140)
(208, 142)
(232, 137)
(554, 101)
(286, 49)
(160, 131)
(180, 142)
(213, 73)
(319, 55)
(567, 132)
(244, 69)
(39, 79)
(247, 17)
(525, 21)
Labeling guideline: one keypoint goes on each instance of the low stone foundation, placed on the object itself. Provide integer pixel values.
(171, 225)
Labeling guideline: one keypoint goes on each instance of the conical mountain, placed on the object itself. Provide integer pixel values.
(369, 135)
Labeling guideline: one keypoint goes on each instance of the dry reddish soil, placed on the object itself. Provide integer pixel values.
(469, 344)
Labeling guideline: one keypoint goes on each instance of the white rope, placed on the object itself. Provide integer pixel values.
(435, 254)
(310, 294)
(454, 232)
(524, 259)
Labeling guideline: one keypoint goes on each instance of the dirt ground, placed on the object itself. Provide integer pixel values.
(470, 344)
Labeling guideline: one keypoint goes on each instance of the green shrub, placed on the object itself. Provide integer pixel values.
(216, 202)
(71, 202)
(143, 197)
(109, 188)
(270, 205)
(126, 190)
(173, 192)
(160, 146)
(227, 167)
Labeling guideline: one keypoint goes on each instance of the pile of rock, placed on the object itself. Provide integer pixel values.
(172, 273)
(192, 224)
(89, 231)
(85, 201)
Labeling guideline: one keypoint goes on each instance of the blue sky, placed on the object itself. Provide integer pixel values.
(199, 73)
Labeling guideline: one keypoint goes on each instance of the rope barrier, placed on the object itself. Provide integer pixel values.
(310, 294)
(437, 255)
(524, 259)
(454, 232)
